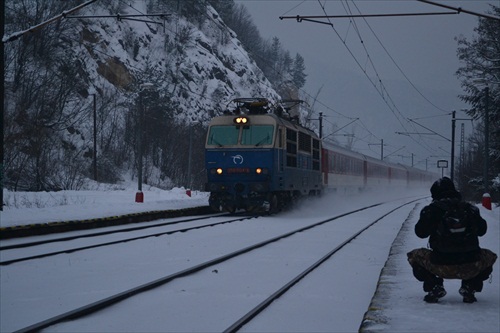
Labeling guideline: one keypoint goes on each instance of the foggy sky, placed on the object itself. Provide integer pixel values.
(423, 47)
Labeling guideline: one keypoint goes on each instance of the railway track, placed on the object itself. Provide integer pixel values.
(214, 266)
(65, 243)
(110, 221)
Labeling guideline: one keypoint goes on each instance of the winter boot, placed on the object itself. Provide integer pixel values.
(436, 293)
(467, 293)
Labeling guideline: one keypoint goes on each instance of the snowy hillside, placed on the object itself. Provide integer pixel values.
(201, 67)
(140, 85)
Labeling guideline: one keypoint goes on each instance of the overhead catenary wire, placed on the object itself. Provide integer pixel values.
(37, 27)
(397, 66)
(422, 143)
(461, 10)
(313, 18)
(378, 84)
(383, 92)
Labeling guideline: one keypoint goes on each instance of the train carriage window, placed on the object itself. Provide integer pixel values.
(304, 142)
(359, 168)
(377, 171)
(316, 149)
(316, 154)
(291, 148)
(257, 135)
(223, 136)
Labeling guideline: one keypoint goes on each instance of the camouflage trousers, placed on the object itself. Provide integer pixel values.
(468, 271)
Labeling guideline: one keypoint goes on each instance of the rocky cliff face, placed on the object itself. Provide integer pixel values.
(199, 66)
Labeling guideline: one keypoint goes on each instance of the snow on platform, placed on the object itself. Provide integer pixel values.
(398, 305)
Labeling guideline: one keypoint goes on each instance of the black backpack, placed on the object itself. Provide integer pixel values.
(455, 229)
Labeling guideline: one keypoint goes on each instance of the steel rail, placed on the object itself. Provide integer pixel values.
(264, 304)
(102, 233)
(82, 248)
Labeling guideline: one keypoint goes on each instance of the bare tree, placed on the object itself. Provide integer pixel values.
(480, 78)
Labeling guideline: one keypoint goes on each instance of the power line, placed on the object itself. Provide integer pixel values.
(378, 84)
(37, 27)
(313, 18)
(422, 143)
(387, 98)
(461, 10)
(397, 66)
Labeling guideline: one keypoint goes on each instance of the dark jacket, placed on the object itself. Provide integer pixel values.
(444, 196)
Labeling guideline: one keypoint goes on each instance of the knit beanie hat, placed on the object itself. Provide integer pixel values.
(444, 188)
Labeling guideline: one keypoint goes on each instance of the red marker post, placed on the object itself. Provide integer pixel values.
(487, 201)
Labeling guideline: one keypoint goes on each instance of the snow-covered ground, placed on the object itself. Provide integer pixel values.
(398, 307)
(22, 208)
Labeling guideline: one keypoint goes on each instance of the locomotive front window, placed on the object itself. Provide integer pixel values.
(257, 135)
(223, 136)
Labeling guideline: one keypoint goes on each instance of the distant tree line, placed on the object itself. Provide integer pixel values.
(480, 79)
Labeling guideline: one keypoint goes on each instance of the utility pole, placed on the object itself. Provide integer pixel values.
(321, 125)
(452, 145)
(2, 93)
(139, 196)
(95, 139)
(381, 149)
(190, 154)
(486, 137)
(462, 157)
(453, 127)
(320, 118)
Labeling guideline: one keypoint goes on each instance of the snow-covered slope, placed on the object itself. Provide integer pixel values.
(199, 66)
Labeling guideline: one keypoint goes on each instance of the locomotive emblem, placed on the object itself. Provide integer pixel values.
(237, 159)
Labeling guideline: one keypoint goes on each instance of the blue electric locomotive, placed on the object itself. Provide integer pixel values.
(258, 158)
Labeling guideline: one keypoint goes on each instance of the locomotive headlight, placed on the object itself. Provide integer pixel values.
(216, 171)
(240, 120)
(261, 171)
